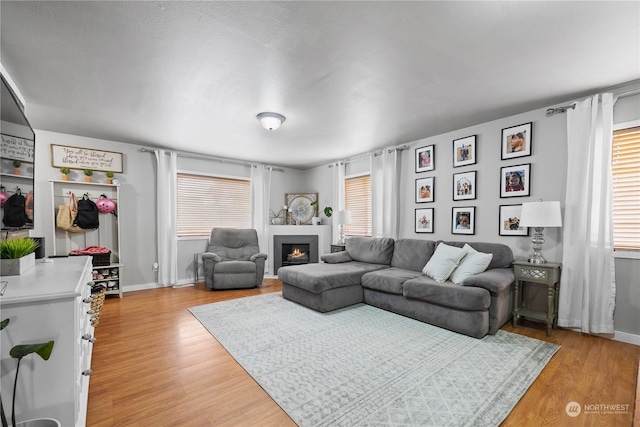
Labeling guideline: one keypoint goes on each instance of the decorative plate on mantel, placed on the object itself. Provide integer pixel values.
(300, 206)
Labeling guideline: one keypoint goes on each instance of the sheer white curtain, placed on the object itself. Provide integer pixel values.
(587, 292)
(385, 190)
(338, 194)
(167, 227)
(261, 195)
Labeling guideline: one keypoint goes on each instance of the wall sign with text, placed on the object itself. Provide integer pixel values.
(85, 158)
(15, 148)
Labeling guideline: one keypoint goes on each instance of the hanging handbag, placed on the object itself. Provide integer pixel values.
(67, 215)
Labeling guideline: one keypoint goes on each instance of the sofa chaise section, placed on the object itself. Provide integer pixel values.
(336, 283)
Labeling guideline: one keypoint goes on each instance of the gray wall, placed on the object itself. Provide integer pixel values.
(548, 182)
(138, 219)
(138, 200)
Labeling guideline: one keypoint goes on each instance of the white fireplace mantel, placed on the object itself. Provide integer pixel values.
(322, 231)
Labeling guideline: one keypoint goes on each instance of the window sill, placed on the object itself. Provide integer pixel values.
(184, 238)
(626, 254)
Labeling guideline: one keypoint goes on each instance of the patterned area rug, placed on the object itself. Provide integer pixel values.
(362, 366)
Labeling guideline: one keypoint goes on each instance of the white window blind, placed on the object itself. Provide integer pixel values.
(205, 202)
(357, 195)
(625, 162)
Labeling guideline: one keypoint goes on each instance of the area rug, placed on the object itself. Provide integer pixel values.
(363, 366)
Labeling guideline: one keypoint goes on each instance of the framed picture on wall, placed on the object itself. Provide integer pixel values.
(464, 185)
(463, 220)
(424, 189)
(425, 158)
(515, 180)
(509, 221)
(517, 141)
(464, 151)
(424, 220)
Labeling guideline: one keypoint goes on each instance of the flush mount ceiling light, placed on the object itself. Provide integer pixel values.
(271, 121)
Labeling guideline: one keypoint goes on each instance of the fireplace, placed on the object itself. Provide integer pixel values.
(294, 250)
(294, 254)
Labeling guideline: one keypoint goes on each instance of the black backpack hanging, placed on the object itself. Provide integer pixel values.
(87, 217)
(14, 213)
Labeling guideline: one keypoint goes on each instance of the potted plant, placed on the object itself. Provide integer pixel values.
(328, 211)
(110, 176)
(65, 173)
(17, 255)
(16, 167)
(87, 175)
(18, 352)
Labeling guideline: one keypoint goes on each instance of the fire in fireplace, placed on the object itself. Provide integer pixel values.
(294, 250)
(294, 254)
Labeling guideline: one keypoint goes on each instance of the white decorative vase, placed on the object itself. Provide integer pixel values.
(39, 422)
(17, 266)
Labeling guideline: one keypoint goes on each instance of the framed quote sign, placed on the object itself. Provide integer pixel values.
(85, 158)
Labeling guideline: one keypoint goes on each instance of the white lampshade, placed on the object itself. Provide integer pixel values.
(343, 217)
(541, 214)
(271, 121)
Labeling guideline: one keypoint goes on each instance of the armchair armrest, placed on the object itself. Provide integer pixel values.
(211, 256)
(254, 257)
(495, 280)
(336, 257)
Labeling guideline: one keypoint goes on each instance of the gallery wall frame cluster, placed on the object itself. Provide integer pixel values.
(515, 181)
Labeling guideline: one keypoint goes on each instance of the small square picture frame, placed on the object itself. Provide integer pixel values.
(464, 151)
(515, 181)
(424, 220)
(517, 141)
(509, 221)
(425, 189)
(463, 220)
(425, 158)
(464, 185)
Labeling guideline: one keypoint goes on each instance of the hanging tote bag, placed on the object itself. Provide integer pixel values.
(67, 215)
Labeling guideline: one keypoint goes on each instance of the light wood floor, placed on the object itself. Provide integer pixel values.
(155, 365)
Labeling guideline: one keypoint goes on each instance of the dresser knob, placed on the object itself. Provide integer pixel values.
(88, 299)
(91, 283)
(87, 372)
(91, 312)
(89, 338)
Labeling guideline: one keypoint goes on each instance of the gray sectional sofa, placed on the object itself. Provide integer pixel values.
(388, 274)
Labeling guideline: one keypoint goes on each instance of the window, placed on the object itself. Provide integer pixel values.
(625, 162)
(357, 195)
(205, 202)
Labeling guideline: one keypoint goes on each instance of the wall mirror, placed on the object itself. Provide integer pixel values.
(17, 160)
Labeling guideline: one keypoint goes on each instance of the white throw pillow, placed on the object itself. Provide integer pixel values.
(443, 261)
(473, 263)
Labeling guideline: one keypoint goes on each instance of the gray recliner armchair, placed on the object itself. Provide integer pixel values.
(233, 259)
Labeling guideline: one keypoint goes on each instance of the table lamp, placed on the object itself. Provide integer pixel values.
(342, 218)
(540, 215)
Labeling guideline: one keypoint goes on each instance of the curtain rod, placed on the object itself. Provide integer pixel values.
(366, 156)
(188, 155)
(563, 109)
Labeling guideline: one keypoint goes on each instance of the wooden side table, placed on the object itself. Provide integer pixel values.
(548, 274)
(337, 248)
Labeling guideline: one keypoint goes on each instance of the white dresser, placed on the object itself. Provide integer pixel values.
(50, 302)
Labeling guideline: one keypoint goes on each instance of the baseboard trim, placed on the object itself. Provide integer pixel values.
(142, 287)
(627, 337)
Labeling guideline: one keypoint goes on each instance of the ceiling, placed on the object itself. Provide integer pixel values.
(350, 77)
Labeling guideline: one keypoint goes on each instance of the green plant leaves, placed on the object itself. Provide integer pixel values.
(17, 248)
(43, 350)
